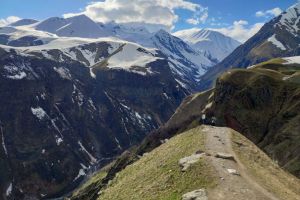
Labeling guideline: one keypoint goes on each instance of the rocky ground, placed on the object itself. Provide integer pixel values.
(234, 180)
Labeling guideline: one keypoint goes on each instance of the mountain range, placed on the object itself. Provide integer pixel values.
(90, 98)
(280, 37)
(186, 62)
(79, 93)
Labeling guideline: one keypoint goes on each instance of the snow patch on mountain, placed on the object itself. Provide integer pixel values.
(80, 174)
(14, 72)
(276, 42)
(92, 158)
(130, 56)
(3, 142)
(63, 72)
(9, 190)
(292, 60)
(58, 140)
(39, 112)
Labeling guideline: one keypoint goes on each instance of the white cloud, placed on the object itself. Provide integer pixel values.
(240, 30)
(192, 21)
(9, 20)
(269, 13)
(200, 16)
(154, 12)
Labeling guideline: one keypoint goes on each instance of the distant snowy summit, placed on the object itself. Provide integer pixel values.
(213, 43)
(23, 22)
(189, 55)
(77, 26)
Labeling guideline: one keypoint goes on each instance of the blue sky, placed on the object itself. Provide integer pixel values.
(228, 11)
(174, 14)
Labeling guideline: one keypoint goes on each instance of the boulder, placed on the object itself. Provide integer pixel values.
(225, 156)
(233, 172)
(195, 195)
(186, 162)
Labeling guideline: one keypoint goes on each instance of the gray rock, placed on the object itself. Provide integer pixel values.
(225, 156)
(186, 162)
(233, 172)
(195, 195)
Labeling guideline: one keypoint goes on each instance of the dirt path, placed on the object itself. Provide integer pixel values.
(230, 187)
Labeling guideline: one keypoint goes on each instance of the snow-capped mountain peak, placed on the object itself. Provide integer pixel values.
(286, 29)
(291, 19)
(23, 22)
(186, 63)
(77, 26)
(212, 43)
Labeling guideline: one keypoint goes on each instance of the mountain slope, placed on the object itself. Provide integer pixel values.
(158, 174)
(262, 104)
(186, 63)
(68, 111)
(278, 38)
(213, 43)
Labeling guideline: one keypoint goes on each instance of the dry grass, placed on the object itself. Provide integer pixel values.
(264, 170)
(157, 175)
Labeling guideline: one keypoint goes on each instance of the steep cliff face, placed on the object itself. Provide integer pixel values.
(68, 111)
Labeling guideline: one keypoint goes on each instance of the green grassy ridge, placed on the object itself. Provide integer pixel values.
(263, 103)
(91, 182)
(157, 174)
(265, 171)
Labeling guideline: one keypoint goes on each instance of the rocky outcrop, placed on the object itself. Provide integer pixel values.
(186, 162)
(224, 156)
(233, 172)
